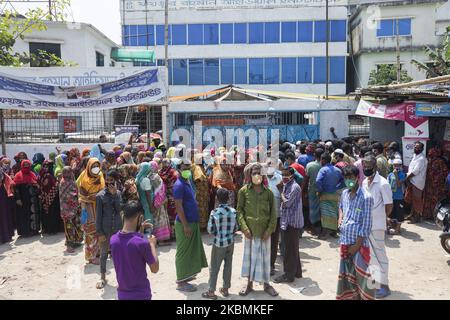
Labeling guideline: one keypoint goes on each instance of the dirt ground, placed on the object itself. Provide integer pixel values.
(37, 268)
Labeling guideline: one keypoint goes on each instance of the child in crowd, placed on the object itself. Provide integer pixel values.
(396, 179)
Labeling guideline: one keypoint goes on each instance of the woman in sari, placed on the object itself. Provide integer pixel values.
(85, 152)
(6, 217)
(81, 167)
(19, 158)
(435, 189)
(127, 158)
(89, 183)
(5, 164)
(38, 160)
(70, 210)
(141, 155)
(161, 228)
(109, 162)
(169, 176)
(129, 191)
(51, 216)
(145, 191)
(74, 158)
(221, 177)
(27, 199)
(201, 187)
(60, 163)
(171, 153)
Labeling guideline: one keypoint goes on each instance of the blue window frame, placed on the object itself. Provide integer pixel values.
(226, 33)
(256, 32)
(179, 34)
(304, 70)
(320, 75)
(288, 70)
(240, 33)
(305, 31)
(337, 69)
(385, 28)
(271, 32)
(256, 71)
(240, 71)
(320, 31)
(338, 30)
(196, 72)
(211, 71)
(125, 35)
(180, 72)
(211, 33)
(133, 35)
(288, 32)
(271, 71)
(226, 76)
(170, 72)
(404, 27)
(160, 35)
(195, 34)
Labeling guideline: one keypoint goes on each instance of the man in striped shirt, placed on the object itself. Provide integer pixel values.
(222, 224)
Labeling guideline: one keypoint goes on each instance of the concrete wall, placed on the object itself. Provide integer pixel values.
(336, 119)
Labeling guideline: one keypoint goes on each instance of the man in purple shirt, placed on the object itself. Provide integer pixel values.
(291, 222)
(131, 254)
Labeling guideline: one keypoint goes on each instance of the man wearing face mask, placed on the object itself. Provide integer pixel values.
(380, 190)
(415, 179)
(257, 219)
(355, 224)
(291, 222)
(382, 163)
(190, 257)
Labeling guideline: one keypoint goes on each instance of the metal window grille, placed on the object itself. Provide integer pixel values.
(358, 125)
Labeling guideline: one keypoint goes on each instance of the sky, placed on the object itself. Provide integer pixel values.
(103, 14)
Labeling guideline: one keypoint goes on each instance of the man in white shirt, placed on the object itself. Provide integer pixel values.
(415, 178)
(380, 190)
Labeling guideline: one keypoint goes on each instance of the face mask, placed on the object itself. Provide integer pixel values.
(350, 183)
(257, 179)
(368, 172)
(95, 170)
(186, 174)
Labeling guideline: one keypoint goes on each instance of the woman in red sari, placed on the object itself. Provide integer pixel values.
(435, 183)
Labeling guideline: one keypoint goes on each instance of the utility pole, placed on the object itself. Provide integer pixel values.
(50, 9)
(398, 51)
(2, 128)
(165, 109)
(327, 50)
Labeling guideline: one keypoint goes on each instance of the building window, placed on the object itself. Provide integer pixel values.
(288, 70)
(240, 33)
(320, 74)
(211, 33)
(288, 32)
(256, 71)
(125, 35)
(195, 34)
(304, 65)
(196, 72)
(180, 72)
(388, 27)
(211, 71)
(178, 34)
(271, 71)
(226, 33)
(99, 59)
(37, 48)
(226, 76)
(160, 35)
(338, 30)
(240, 71)
(337, 69)
(320, 31)
(256, 32)
(272, 32)
(305, 31)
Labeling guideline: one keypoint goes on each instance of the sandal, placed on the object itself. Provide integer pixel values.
(270, 291)
(245, 291)
(187, 288)
(101, 284)
(224, 292)
(95, 261)
(207, 295)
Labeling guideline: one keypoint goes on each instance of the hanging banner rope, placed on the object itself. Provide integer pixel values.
(141, 88)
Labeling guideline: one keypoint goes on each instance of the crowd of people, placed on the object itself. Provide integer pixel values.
(128, 200)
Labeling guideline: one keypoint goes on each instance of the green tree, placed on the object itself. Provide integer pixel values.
(14, 26)
(439, 57)
(387, 74)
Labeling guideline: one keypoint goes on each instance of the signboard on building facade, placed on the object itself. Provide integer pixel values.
(433, 109)
(123, 133)
(415, 126)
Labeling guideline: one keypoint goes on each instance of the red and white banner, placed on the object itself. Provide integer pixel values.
(415, 126)
(375, 110)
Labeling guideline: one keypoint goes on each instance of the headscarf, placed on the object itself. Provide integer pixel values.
(7, 170)
(81, 166)
(38, 160)
(434, 153)
(175, 162)
(116, 148)
(74, 157)
(85, 152)
(144, 171)
(68, 193)
(25, 175)
(129, 190)
(158, 154)
(96, 153)
(118, 153)
(52, 156)
(49, 186)
(59, 165)
(159, 194)
(17, 167)
(168, 174)
(90, 183)
(171, 152)
(7, 182)
(197, 172)
(127, 158)
(140, 156)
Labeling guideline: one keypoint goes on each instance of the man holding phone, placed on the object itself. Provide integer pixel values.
(108, 220)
